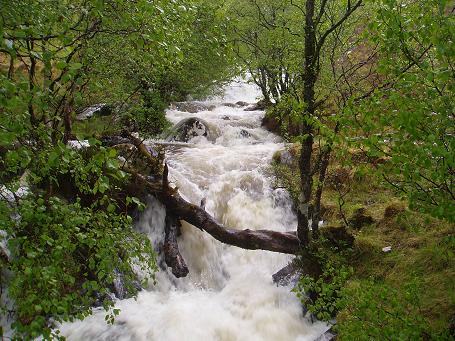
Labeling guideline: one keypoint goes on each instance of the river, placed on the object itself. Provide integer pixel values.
(229, 293)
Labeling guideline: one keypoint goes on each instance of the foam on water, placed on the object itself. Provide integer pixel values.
(229, 294)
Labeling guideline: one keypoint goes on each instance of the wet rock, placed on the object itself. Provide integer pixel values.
(261, 105)
(119, 289)
(271, 124)
(238, 104)
(287, 276)
(10, 196)
(192, 107)
(226, 118)
(101, 109)
(110, 141)
(189, 128)
(286, 158)
(129, 154)
(329, 335)
(76, 144)
(245, 134)
(360, 219)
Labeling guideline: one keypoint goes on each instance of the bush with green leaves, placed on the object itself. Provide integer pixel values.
(410, 119)
(147, 117)
(287, 114)
(321, 291)
(70, 237)
(322, 296)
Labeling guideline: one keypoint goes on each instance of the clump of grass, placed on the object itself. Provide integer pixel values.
(423, 251)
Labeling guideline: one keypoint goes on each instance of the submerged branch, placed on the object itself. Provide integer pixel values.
(172, 255)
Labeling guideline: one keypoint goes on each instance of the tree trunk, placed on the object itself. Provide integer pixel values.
(265, 86)
(317, 197)
(307, 144)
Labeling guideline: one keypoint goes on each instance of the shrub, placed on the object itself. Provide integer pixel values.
(69, 239)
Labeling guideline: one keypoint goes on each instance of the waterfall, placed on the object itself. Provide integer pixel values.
(229, 293)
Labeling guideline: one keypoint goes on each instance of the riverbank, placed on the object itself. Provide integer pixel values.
(403, 261)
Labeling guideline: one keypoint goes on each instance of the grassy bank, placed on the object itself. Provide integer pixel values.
(407, 293)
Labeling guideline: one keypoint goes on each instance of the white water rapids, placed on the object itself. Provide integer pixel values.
(229, 293)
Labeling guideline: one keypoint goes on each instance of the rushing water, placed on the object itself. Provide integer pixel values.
(229, 293)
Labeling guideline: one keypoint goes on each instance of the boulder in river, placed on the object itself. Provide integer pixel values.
(244, 133)
(261, 105)
(287, 276)
(192, 107)
(271, 124)
(238, 104)
(189, 128)
(101, 109)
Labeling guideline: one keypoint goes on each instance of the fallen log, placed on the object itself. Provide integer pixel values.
(172, 255)
(283, 242)
(155, 162)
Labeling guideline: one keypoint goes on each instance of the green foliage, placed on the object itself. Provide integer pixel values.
(148, 117)
(65, 255)
(288, 113)
(410, 121)
(322, 294)
(96, 126)
(64, 261)
(207, 58)
(148, 121)
(326, 291)
(71, 235)
(268, 37)
(375, 310)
